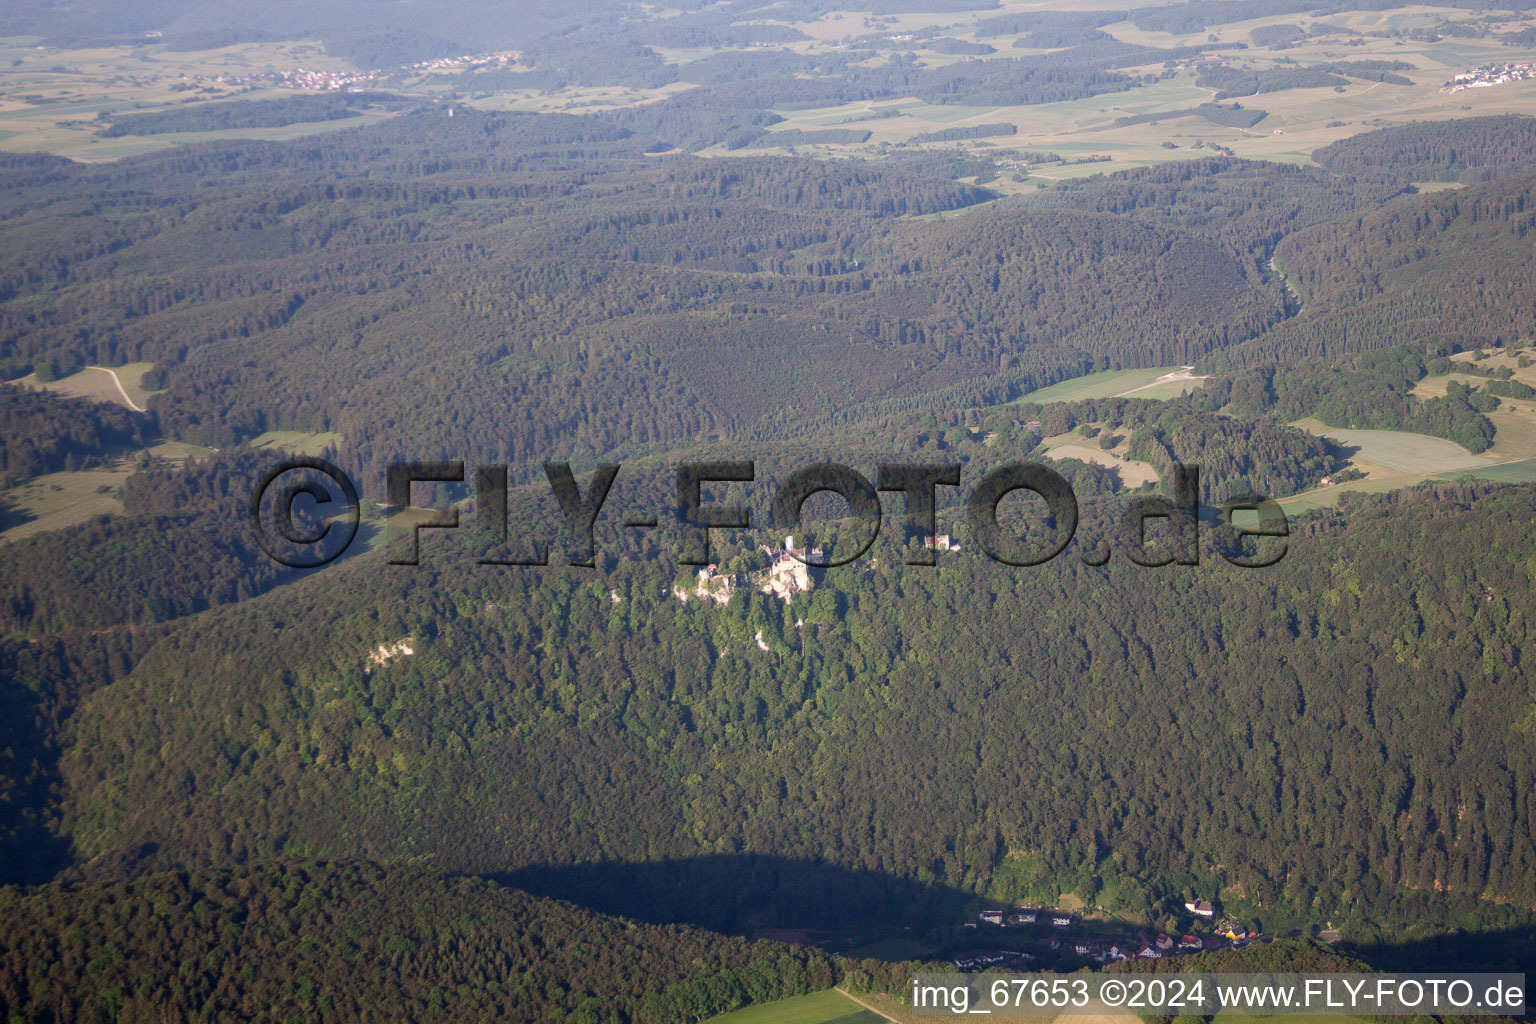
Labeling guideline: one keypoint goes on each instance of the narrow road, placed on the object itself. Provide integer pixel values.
(1180, 374)
(1292, 292)
(130, 403)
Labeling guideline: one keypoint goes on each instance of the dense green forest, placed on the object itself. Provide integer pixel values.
(43, 433)
(586, 300)
(1295, 791)
(1372, 389)
(206, 117)
(679, 298)
(468, 789)
(323, 941)
(1467, 149)
(1428, 271)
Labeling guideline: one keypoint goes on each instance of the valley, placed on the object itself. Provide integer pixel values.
(519, 777)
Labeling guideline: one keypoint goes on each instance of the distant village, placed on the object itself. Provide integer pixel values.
(1062, 931)
(1493, 74)
(326, 81)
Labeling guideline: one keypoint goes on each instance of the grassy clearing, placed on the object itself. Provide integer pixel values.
(132, 376)
(1132, 474)
(890, 1008)
(297, 441)
(894, 1009)
(1328, 497)
(829, 1007)
(1167, 389)
(58, 500)
(1400, 451)
(1392, 459)
(1073, 446)
(96, 383)
(179, 451)
(1106, 385)
(1514, 421)
(1522, 472)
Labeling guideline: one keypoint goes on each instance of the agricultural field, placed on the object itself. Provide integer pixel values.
(829, 1007)
(122, 385)
(1392, 459)
(1299, 121)
(1072, 446)
(1520, 472)
(1153, 382)
(50, 98)
(1402, 452)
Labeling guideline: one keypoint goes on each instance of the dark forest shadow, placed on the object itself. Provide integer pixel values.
(12, 514)
(744, 893)
(1505, 949)
(30, 852)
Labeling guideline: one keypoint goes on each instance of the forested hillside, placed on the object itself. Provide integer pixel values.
(1371, 389)
(43, 433)
(476, 788)
(1469, 148)
(532, 260)
(319, 941)
(1435, 271)
(1025, 762)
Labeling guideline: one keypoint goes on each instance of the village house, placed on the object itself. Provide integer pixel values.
(1165, 942)
(1060, 920)
(991, 917)
(1200, 908)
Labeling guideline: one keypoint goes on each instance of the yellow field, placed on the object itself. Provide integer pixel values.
(1406, 453)
(1392, 459)
(1074, 446)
